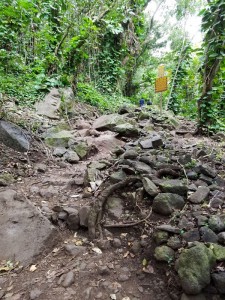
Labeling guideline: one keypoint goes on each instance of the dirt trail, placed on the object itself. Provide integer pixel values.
(78, 268)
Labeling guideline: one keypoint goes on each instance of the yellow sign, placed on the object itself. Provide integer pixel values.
(161, 84)
(161, 71)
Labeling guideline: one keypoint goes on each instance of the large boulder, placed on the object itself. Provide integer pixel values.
(126, 129)
(58, 139)
(194, 266)
(24, 231)
(13, 136)
(109, 122)
(166, 203)
(50, 105)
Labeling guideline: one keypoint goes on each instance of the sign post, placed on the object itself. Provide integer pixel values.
(161, 83)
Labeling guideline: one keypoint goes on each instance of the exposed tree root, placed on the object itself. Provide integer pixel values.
(95, 216)
(122, 225)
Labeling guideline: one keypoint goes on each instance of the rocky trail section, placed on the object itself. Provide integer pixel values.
(136, 201)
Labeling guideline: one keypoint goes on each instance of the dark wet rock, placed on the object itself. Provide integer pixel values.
(34, 294)
(73, 220)
(13, 136)
(160, 237)
(166, 203)
(130, 154)
(20, 239)
(192, 175)
(150, 187)
(138, 166)
(206, 179)
(164, 253)
(194, 266)
(221, 238)
(219, 281)
(191, 235)
(174, 186)
(83, 214)
(118, 176)
(67, 279)
(174, 242)
(208, 171)
(207, 235)
(123, 110)
(71, 157)
(169, 228)
(217, 223)
(200, 195)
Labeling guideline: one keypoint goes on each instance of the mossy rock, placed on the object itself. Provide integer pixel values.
(81, 149)
(218, 251)
(194, 266)
(6, 179)
(164, 253)
(58, 139)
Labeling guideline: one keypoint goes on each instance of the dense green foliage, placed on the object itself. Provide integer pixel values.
(109, 51)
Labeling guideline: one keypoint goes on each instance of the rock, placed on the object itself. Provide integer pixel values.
(130, 154)
(103, 244)
(114, 205)
(74, 250)
(118, 176)
(123, 110)
(192, 175)
(139, 166)
(58, 139)
(71, 157)
(153, 142)
(206, 179)
(83, 215)
(59, 151)
(169, 228)
(73, 221)
(193, 297)
(123, 277)
(218, 252)
(68, 279)
(208, 171)
(200, 195)
(221, 238)
(173, 186)
(174, 242)
(41, 168)
(185, 223)
(166, 203)
(116, 243)
(35, 293)
(20, 239)
(109, 122)
(191, 235)
(6, 179)
(202, 220)
(150, 187)
(81, 149)
(126, 129)
(136, 247)
(207, 235)
(67, 103)
(103, 270)
(50, 105)
(217, 223)
(194, 266)
(160, 237)
(48, 192)
(164, 253)
(13, 136)
(219, 281)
